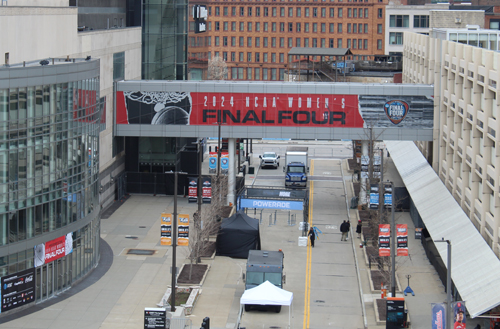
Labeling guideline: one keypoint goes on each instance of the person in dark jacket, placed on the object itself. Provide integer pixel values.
(348, 229)
(358, 229)
(312, 236)
(344, 228)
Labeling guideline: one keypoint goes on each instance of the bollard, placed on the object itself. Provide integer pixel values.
(275, 213)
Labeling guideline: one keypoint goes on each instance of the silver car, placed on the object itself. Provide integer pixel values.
(269, 159)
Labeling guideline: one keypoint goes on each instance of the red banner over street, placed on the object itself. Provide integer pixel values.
(402, 239)
(384, 240)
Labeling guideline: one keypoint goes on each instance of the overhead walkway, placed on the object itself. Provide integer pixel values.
(475, 269)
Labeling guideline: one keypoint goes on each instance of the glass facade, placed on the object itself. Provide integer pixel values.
(49, 171)
(164, 39)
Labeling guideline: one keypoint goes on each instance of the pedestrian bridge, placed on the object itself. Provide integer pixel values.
(327, 111)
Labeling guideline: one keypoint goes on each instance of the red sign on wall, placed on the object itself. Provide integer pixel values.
(55, 249)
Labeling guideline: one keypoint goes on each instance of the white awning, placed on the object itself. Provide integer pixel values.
(475, 269)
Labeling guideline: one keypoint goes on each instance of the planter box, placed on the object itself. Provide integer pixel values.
(194, 292)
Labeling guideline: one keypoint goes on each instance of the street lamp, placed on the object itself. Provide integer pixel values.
(393, 244)
(448, 284)
(174, 239)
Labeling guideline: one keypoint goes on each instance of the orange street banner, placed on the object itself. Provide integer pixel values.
(166, 229)
(384, 240)
(183, 230)
(402, 239)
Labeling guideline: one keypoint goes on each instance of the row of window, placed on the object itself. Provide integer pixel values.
(304, 0)
(419, 21)
(289, 27)
(257, 73)
(290, 12)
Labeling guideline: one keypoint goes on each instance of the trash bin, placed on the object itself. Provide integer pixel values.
(251, 170)
(354, 202)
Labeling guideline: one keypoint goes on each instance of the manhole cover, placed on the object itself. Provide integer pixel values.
(143, 252)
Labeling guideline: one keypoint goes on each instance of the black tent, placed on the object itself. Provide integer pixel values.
(237, 235)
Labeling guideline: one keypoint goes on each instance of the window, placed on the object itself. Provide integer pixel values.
(339, 43)
(339, 28)
(273, 42)
(274, 11)
(282, 11)
(315, 43)
(282, 27)
(210, 26)
(360, 43)
(224, 56)
(233, 56)
(242, 11)
(273, 57)
(323, 43)
(306, 27)
(257, 73)
(379, 28)
(421, 21)
(315, 12)
(257, 11)
(209, 11)
(257, 26)
(265, 41)
(323, 12)
(264, 57)
(233, 11)
(216, 54)
(331, 43)
(315, 27)
(249, 57)
(266, 26)
(299, 12)
(297, 27)
(217, 11)
(257, 41)
(242, 42)
(366, 28)
(241, 56)
(355, 13)
(365, 44)
(290, 42)
(361, 13)
(290, 12)
(332, 27)
(349, 28)
(233, 26)
(380, 13)
(306, 42)
(249, 73)
(240, 73)
(306, 11)
(217, 27)
(217, 41)
(339, 15)
(209, 41)
(264, 74)
(273, 27)
(249, 42)
(242, 26)
(349, 12)
(282, 42)
(396, 38)
(249, 11)
(225, 26)
(366, 12)
(297, 42)
(249, 26)
(323, 27)
(224, 41)
(225, 11)
(290, 27)
(349, 43)
(379, 44)
(399, 21)
(234, 74)
(282, 58)
(273, 74)
(266, 11)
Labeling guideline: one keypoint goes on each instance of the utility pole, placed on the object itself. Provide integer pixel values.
(393, 245)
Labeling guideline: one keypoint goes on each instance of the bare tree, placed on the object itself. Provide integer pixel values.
(217, 69)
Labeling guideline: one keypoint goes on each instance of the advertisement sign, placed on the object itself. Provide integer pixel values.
(459, 315)
(18, 289)
(438, 316)
(155, 318)
(402, 239)
(384, 240)
(224, 161)
(212, 162)
(396, 315)
(388, 199)
(183, 230)
(55, 249)
(193, 189)
(206, 191)
(272, 204)
(166, 229)
(374, 201)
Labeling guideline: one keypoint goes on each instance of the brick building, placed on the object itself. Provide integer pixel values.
(254, 37)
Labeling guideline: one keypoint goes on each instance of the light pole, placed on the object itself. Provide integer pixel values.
(174, 240)
(393, 245)
(448, 284)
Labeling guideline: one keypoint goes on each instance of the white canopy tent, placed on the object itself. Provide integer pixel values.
(267, 294)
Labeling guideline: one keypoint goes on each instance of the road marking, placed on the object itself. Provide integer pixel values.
(331, 227)
(307, 296)
(326, 173)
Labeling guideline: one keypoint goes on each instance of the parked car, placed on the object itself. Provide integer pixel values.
(269, 159)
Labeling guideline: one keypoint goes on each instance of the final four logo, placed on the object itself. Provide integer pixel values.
(396, 110)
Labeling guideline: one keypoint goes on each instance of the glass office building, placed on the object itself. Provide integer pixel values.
(49, 174)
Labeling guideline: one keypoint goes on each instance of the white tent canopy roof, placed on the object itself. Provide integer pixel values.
(266, 294)
(475, 268)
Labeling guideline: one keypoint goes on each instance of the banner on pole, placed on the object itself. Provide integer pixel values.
(212, 163)
(166, 229)
(193, 189)
(384, 240)
(438, 316)
(402, 239)
(459, 315)
(207, 190)
(183, 230)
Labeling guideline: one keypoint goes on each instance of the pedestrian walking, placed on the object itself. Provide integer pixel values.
(358, 229)
(348, 229)
(312, 236)
(344, 229)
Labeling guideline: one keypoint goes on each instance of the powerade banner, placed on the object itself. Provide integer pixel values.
(206, 192)
(166, 229)
(183, 230)
(384, 240)
(193, 189)
(272, 204)
(438, 316)
(273, 109)
(402, 239)
(18, 289)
